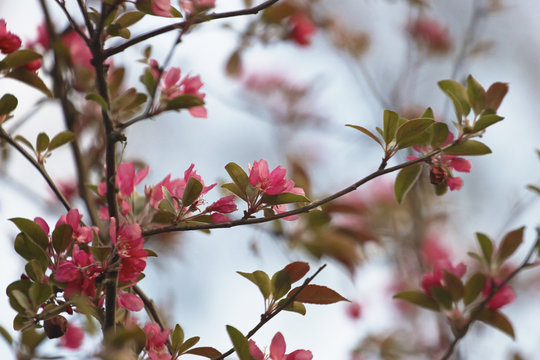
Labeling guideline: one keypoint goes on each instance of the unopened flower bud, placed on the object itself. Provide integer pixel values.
(55, 327)
(437, 175)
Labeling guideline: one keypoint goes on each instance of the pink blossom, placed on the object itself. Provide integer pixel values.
(79, 273)
(436, 278)
(219, 218)
(302, 28)
(129, 246)
(82, 234)
(454, 183)
(503, 297)
(73, 338)
(129, 301)
(78, 50)
(224, 205)
(9, 42)
(271, 183)
(127, 179)
(430, 33)
(43, 224)
(277, 350)
(155, 341)
(161, 7)
(354, 310)
(42, 37)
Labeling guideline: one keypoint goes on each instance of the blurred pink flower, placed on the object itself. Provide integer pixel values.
(73, 338)
(503, 297)
(302, 28)
(431, 33)
(161, 7)
(277, 350)
(9, 42)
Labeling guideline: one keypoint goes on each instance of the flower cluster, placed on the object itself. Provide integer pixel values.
(277, 351)
(156, 340)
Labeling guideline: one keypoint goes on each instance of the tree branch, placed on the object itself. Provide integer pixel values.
(197, 19)
(267, 317)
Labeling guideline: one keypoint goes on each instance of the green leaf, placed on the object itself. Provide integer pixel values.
(295, 306)
(411, 132)
(238, 175)
(129, 18)
(297, 270)
(240, 343)
(454, 285)
(232, 187)
(177, 338)
(39, 293)
(124, 337)
(8, 103)
(118, 30)
(439, 134)
(468, 147)
(418, 298)
(405, 180)
(442, 295)
(476, 95)
(32, 230)
(19, 58)
(495, 95)
(148, 80)
(497, 320)
(390, 123)
(42, 142)
(428, 114)
(30, 78)
(509, 244)
(29, 250)
(34, 271)
(283, 198)
(367, 132)
(5, 334)
(184, 102)
(475, 256)
(97, 99)
(204, 351)
(100, 252)
(261, 279)
(21, 299)
(486, 245)
(188, 344)
(473, 288)
(25, 141)
(458, 95)
(62, 237)
(281, 284)
(192, 191)
(22, 286)
(316, 294)
(485, 121)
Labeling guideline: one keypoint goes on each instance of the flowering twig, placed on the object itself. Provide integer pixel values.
(267, 317)
(197, 19)
(494, 289)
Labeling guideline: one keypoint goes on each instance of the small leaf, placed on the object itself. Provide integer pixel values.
(473, 288)
(509, 244)
(295, 306)
(486, 245)
(390, 123)
(281, 284)
(30, 78)
(497, 320)
(25, 141)
(418, 298)
(297, 270)
(475, 256)
(485, 121)
(148, 80)
(317, 294)
(261, 279)
(129, 18)
(5, 334)
(21, 299)
(19, 58)
(240, 343)
(8, 103)
(100, 252)
(495, 95)
(192, 191)
(439, 134)
(34, 271)
(283, 198)
(232, 187)
(428, 114)
(29, 250)
(204, 351)
(60, 139)
(476, 94)
(39, 293)
(458, 95)
(454, 285)
(97, 99)
(410, 133)
(405, 180)
(234, 64)
(42, 142)
(123, 337)
(188, 344)
(62, 237)
(32, 230)
(367, 132)
(184, 102)
(238, 175)
(442, 296)
(468, 147)
(177, 338)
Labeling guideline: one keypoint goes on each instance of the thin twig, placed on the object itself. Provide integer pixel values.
(197, 19)
(494, 290)
(73, 23)
(267, 318)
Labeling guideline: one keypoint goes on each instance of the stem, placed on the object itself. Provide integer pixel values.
(197, 19)
(266, 318)
(494, 289)
(303, 209)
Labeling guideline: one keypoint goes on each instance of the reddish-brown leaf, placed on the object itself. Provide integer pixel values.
(297, 270)
(317, 294)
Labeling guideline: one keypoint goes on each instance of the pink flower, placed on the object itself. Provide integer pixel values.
(436, 278)
(127, 179)
(277, 350)
(503, 297)
(78, 50)
(9, 42)
(224, 205)
(129, 246)
(129, 301)
(302, 29)
(161, 7)
(354, 310)
(155, 341)
(79, 273)
(82, 234)
(271, 183)
(73, 337)
(191, 6)
(430, 33)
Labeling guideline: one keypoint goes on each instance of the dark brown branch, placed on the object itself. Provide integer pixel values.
(197, 19)
(267, 317)
(494, 290)
(4, 135)
(303, 209)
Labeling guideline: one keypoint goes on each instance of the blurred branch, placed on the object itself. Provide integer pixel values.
(197, 19)
(267, 317)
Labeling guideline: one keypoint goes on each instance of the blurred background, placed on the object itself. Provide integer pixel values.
(282, 89)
